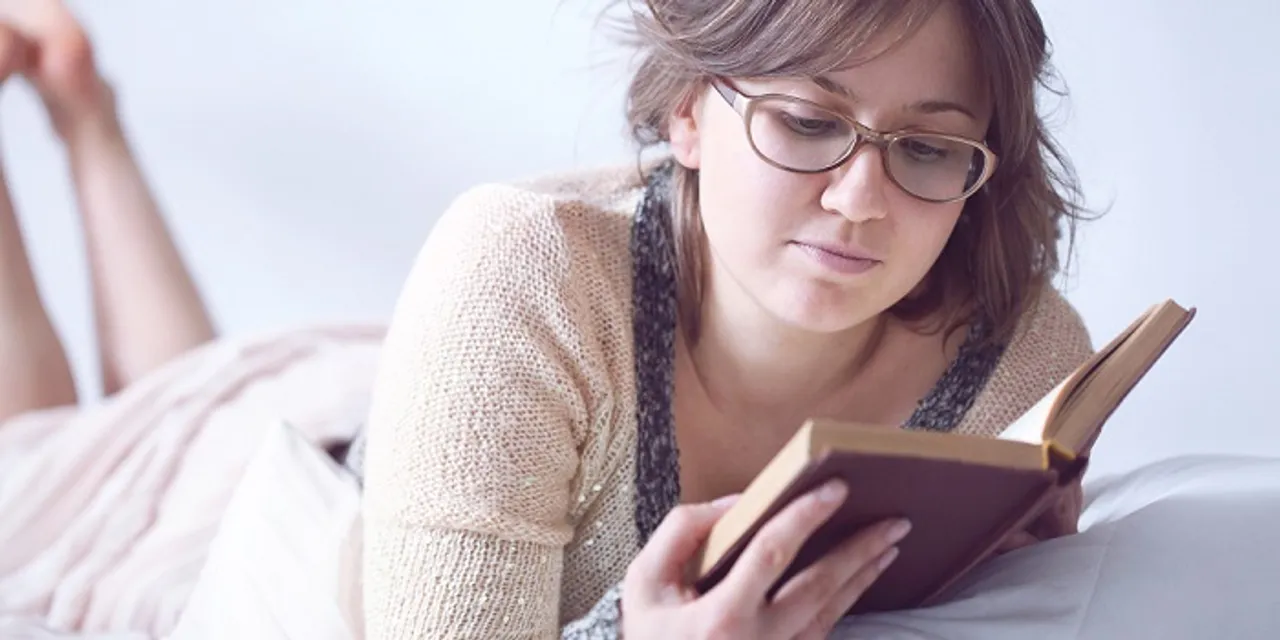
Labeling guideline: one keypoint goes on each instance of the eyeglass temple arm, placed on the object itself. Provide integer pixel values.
(729, 94)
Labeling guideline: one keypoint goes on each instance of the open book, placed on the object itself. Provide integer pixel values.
(964, 494)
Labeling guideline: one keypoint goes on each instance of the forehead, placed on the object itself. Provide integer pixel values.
(938, 61)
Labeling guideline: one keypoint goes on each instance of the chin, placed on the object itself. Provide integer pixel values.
(817, 309)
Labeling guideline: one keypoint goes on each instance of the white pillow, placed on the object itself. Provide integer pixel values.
(1180, 549)
(285, 562)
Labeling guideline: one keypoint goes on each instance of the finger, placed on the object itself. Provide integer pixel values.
(775, 545)
(661, 562)
(836, 607)
(827, 580)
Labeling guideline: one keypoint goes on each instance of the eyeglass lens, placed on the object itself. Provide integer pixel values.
(807, 138)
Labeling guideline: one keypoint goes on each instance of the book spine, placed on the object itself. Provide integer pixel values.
(1068, 465)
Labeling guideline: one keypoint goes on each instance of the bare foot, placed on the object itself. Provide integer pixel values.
(57, 58)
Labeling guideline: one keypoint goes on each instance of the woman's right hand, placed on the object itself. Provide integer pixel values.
(657, 602)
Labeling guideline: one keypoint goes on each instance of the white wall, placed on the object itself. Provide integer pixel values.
(332, 133)
(1172, 123)
(329, 133)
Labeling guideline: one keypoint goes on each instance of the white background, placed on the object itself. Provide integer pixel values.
(331, 134)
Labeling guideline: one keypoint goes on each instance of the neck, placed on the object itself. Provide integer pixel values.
(752, 365)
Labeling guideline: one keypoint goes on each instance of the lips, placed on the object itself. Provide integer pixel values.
(845, 252)
(838, 259)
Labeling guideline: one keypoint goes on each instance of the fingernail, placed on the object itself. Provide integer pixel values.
(888, 557)
(898, 531)
(833, 491)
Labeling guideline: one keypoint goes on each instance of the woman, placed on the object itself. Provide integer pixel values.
(856, 217)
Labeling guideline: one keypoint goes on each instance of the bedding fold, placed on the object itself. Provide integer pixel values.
(109, 509)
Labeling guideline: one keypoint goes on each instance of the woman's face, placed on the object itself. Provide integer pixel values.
(828, 251)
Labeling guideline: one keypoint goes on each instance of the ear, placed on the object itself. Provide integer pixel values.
(686, 144)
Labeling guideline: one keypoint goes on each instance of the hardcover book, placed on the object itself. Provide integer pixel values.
(964, 494)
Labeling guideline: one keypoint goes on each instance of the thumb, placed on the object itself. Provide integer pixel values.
(662, 561)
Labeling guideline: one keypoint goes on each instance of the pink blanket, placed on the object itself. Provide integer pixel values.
(107, 512)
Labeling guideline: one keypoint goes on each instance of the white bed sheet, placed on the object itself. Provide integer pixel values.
(1180, 549)
(1183, 548)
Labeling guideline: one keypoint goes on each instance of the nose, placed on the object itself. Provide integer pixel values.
(858, 188)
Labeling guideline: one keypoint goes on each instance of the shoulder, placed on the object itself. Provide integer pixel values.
(527, 279)
(553, 211)
(1051, 334)
(1050, 342)
(538, 240)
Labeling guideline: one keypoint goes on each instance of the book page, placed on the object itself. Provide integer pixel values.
(1089, 405)
(1076, 401)
(1030, 426)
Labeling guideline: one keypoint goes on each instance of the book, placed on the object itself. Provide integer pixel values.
(963, 493)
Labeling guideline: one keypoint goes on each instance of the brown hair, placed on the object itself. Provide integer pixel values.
(1005, 248)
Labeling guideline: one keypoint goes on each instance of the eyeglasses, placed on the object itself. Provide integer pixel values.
(797, 135)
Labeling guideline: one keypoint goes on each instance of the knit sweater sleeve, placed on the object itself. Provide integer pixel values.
(477, 416)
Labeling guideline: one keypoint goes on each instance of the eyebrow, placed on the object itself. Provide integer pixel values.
(922, 106)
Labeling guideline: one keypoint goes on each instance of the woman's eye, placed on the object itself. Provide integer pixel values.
(810, 126)
(922, 151)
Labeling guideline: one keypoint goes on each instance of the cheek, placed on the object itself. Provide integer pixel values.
(922, 234)
(746, 201)
(752, 213)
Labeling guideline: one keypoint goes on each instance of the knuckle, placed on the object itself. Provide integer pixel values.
(776, 543)
(772, 554)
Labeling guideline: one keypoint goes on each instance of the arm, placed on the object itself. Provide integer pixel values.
(472, 434)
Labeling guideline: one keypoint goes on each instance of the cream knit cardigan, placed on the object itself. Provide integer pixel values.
(501, 441)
